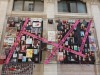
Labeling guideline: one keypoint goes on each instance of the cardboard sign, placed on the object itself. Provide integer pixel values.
(51, 36)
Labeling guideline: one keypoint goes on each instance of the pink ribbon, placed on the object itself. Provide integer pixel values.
(85, 37)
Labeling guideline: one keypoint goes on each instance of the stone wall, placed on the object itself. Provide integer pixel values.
(3, 11)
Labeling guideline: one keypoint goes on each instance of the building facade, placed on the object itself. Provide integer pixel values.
(51, 11)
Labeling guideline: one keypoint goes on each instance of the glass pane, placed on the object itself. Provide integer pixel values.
(73, 8)
(28, 6)
(18, 6)
(81, 7)
(62, 6)
(39, 5)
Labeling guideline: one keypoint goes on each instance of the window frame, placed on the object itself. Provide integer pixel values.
(76, 3)
(23, 1)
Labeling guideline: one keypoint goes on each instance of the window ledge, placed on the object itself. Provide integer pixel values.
(80, 15)
(70, 13)
(28, 14)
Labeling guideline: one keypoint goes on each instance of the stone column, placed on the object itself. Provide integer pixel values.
(50, 5)
(96, 16)
(49, 69)
(10, 7)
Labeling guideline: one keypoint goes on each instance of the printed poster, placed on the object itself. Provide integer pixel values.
(75, 48)
(14, 55)
(11, 32)
(91, 39)
(36, 19)
(92, 47)
(24, 59)
(36, 24)
(35, 51)
(82, 33)
(49, 46)
(20, 56)
(66, 42)
(2, 56)
(23, 38)
(29, 41)
(23, 48)
(8, 41)
(60, 56)
(29, 53)
(51, 36)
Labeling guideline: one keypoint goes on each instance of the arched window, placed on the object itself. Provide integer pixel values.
(28, 5)
(72, 6)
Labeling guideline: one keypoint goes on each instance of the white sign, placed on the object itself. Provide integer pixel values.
(49, 46)
(9, 40)
(29, 41)
(60, 56)
(14, 55)
(36, 24)
(51, 36)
